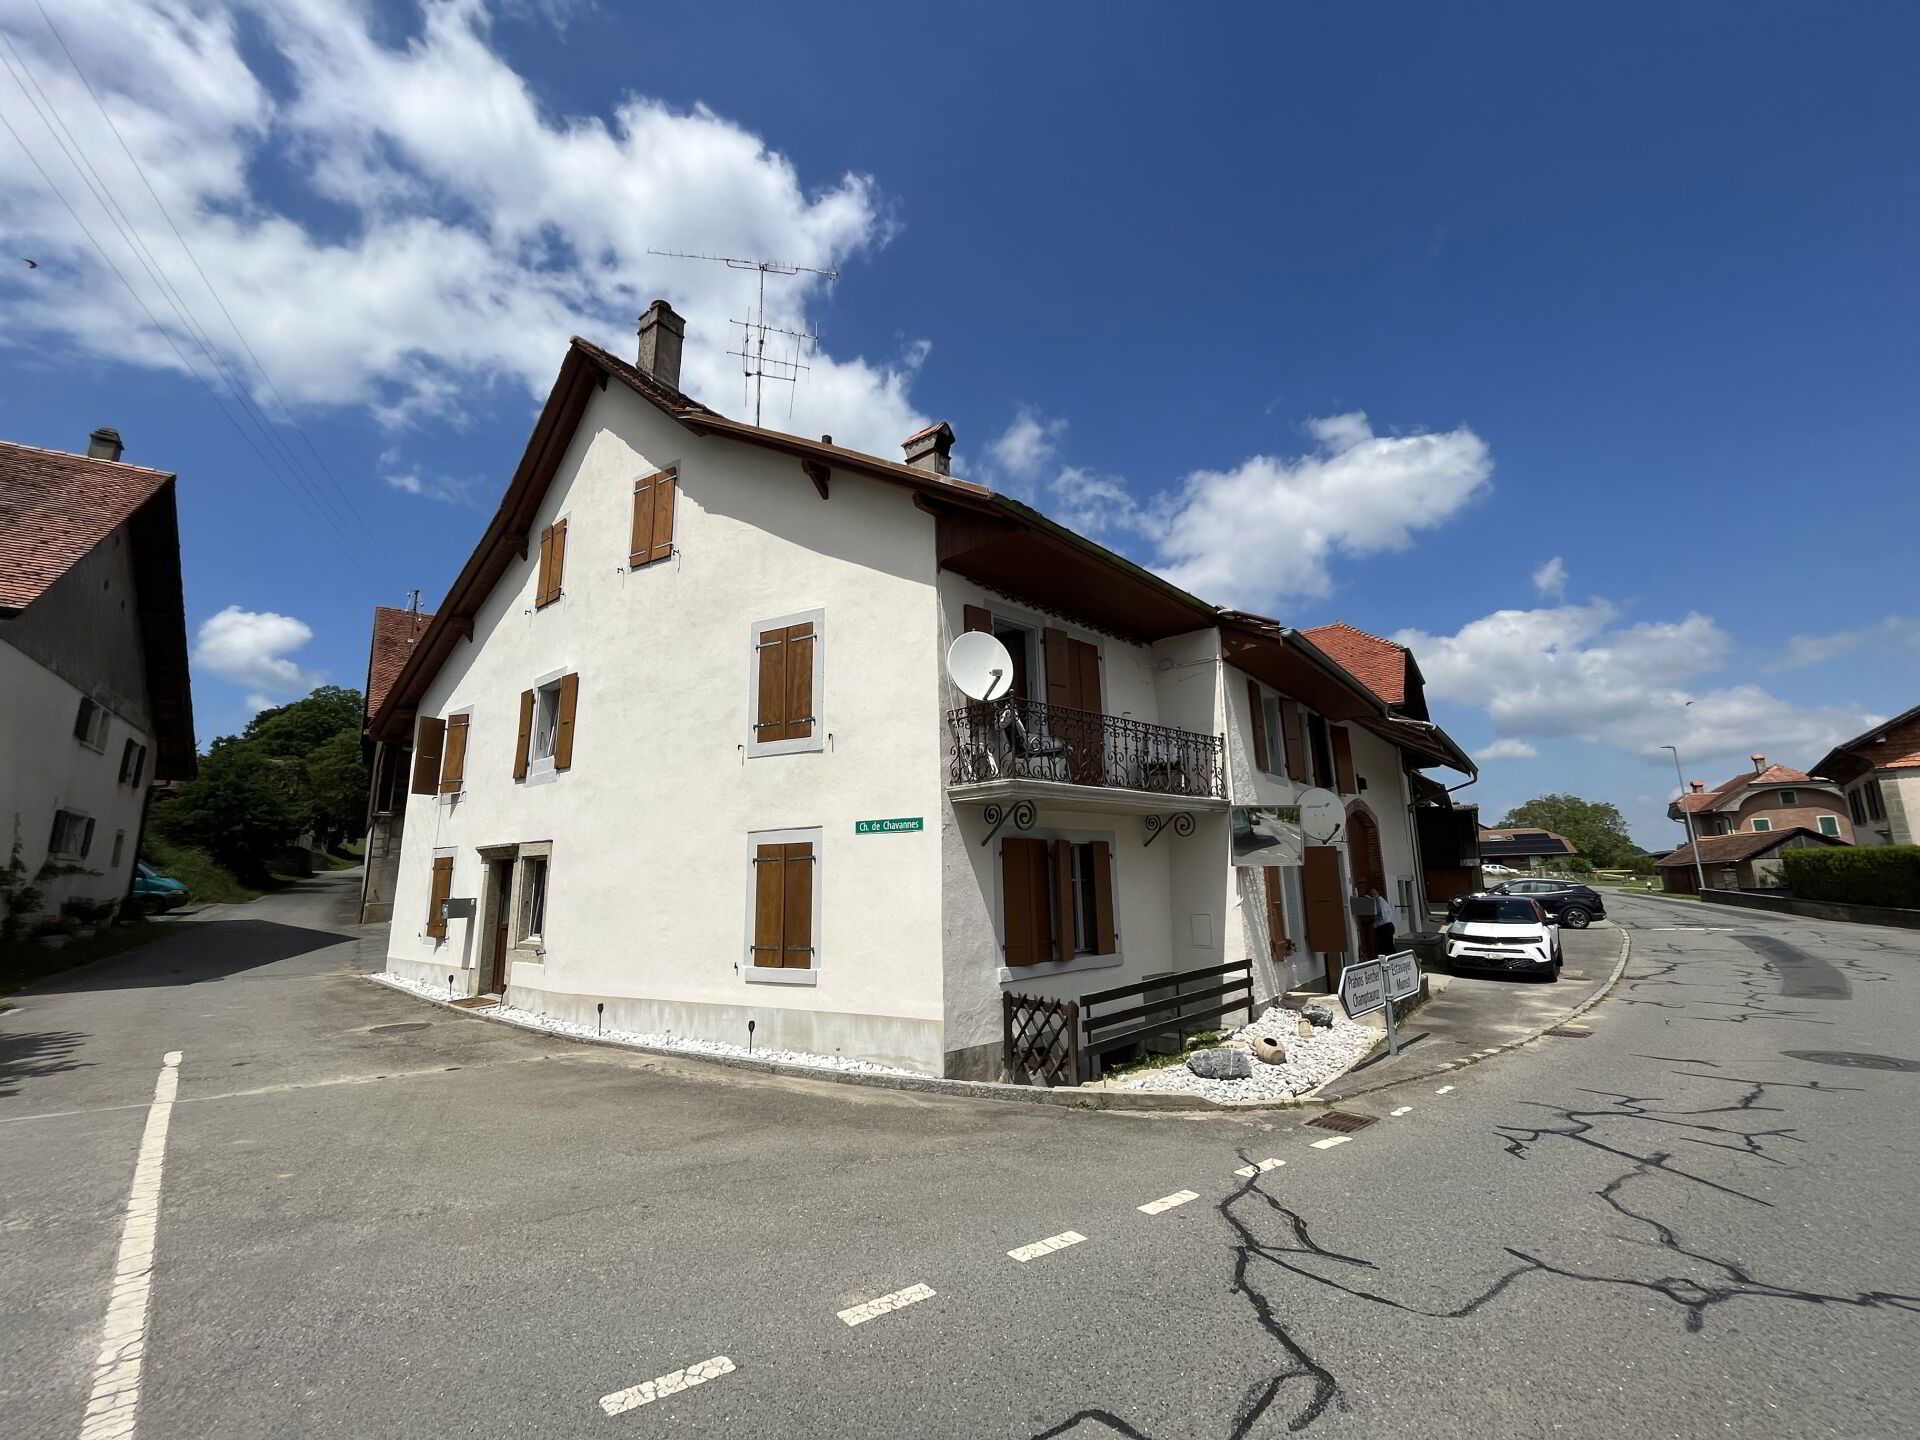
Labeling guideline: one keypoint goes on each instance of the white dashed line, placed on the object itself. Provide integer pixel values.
(1443, 1090)
(1401, 1111)
(648, 1391)
(1047, 1246)
(114, 1401)
(1248, 1171)
(886, 1304)
(1167, 1202)
(1331, 1141)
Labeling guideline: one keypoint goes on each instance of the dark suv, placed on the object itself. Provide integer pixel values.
(1574, 905)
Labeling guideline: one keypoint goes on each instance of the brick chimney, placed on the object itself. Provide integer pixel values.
(931, 448)
(661, 335)
(1697, 786)
(104, 444)
(1759, 763)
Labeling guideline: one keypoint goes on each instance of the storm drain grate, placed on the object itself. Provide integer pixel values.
(1343, 1121)
(1568, 1032)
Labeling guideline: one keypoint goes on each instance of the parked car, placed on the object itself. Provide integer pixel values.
(1505, 933)
(154, 892)
(1574, 905)
(1490, 868)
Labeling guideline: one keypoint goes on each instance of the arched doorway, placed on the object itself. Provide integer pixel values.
(1365, 864)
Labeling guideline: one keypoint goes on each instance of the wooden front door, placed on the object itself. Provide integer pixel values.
(1369, 868)
(1326, 909)
(500, 933)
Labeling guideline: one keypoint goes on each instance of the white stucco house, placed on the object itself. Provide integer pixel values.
(95, 701)
(679, 742)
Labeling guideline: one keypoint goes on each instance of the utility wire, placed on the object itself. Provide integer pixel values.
(140, 170)
(76, 156)
(165, 334)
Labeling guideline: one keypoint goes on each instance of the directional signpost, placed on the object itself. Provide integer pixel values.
(1373, 984)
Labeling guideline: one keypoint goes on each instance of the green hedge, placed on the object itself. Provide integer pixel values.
(1857, 874)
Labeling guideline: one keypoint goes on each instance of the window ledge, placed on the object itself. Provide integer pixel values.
(769, 975)
(1009, 973)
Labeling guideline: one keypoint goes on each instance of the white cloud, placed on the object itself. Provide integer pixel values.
(444, 229)
(1028, 446)
(1506, 748)
(1551, 579)
(1576, 671)
(1269, 526)
(1896, 631)
(447, 488)
(251, 648)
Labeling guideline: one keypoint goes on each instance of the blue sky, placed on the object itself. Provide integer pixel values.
(1362, 314)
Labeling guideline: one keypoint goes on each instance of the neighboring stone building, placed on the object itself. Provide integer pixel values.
(1879, 773)
(1737, 860)
(95, 702)
(683, 746)
(394, 634)
(1766, 798)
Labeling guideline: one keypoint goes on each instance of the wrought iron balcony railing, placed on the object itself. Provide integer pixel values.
(1028, 740)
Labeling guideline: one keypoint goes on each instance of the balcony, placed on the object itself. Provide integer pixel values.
(1005, 748)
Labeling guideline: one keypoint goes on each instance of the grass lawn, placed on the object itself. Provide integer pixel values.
(211, 882)
(26, 961)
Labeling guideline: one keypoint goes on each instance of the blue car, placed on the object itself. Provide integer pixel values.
(154, 892)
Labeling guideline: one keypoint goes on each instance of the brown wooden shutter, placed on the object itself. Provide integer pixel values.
(1343, 760)
(86, 838)
(453, 762)
(436, 896)
(800, 717)
(1060, 856)
(1296, 728)
(1024, 887)
(769, 904)
(1276, 913)
(429, 734)
(1060, 676)
(543, 581)
(1104, 942)
(1086, 676)
(796, 921)
(523, 747)
(1326, 905)
(563, 722)
(665, 487)
(771, 720)
(977, 617)
(1262, 756)
(557, 579)
(653, 501)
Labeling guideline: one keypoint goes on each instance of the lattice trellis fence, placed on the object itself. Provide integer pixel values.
(1041, 1039)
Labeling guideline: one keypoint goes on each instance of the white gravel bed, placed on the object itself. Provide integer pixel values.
(1310, 1061)
(679, 1044)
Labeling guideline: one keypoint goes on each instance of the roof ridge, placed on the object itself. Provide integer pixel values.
(1347, 625)
(89, 459)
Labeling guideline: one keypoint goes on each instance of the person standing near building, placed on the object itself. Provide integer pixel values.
(1372, 908)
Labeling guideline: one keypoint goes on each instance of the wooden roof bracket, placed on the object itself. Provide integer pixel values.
(819, 474)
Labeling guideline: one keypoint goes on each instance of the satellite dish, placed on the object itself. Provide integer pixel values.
(1321, 816)
(979, 666)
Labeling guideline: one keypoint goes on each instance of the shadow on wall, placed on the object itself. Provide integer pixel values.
(196, 951)
(28, 1055)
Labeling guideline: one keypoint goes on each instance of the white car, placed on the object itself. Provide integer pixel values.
(1492, 869)
(1503, 932)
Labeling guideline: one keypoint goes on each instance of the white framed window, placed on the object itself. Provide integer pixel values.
(530, 898)
(546, 718)
(782, 943)
(72, 835)
(1789, 797)
(1830, 825)
(1056, 903)
(1276, 734)
(786, 689)
(133, 763)
(1762, 824)
(90, 724)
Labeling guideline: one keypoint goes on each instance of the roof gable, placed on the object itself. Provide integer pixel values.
(55, 508)
(395, 632)
(1379, 664)
(1740, 845)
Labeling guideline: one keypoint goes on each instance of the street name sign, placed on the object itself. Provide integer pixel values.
(1363, 988)
(890, 827)
(1403, 975)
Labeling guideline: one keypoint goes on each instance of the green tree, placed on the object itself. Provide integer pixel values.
(1598, 830)
(298, 730)
(243, 809)
(337, 782)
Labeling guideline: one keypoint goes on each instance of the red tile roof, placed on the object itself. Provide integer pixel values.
(1772, 775)
(1891, 745)
(54, 508)
(1741, 845)
(394, 634)
(1378, 664)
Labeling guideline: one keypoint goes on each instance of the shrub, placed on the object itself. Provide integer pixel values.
(1857, 875)
(1577, 865)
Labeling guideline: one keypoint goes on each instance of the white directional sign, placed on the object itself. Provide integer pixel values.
(1403, 975)
(1363, 988)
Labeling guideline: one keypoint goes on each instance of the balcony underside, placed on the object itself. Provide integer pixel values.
(1063, 795)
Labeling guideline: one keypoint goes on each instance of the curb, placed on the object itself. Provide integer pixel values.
(1134, 1101)
(1448, 1067)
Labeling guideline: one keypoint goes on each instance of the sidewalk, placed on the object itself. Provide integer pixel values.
(1472, 1014)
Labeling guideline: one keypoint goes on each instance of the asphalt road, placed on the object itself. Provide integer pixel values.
(1687, 1224)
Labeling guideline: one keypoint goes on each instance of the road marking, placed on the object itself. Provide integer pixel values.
(1047, 1246)
(1167, 1202)
(1443, 1089)
(1248, 1171)
(886, 1304)
(1401, 1111)
(114, 1401)
(1331, 1141)
(672, 1383)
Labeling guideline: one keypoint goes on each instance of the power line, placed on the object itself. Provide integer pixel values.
(159, 204)
(312, 502)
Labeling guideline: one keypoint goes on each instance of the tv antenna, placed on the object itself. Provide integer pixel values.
(756, 366)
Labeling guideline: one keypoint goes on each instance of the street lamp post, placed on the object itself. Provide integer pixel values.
(1693, 841)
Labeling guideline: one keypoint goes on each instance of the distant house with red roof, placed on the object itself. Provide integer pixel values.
(1737, 860)
(1767, 798)
(95, 700)
(1526, 848)
(395, 633)
(1879, 774)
